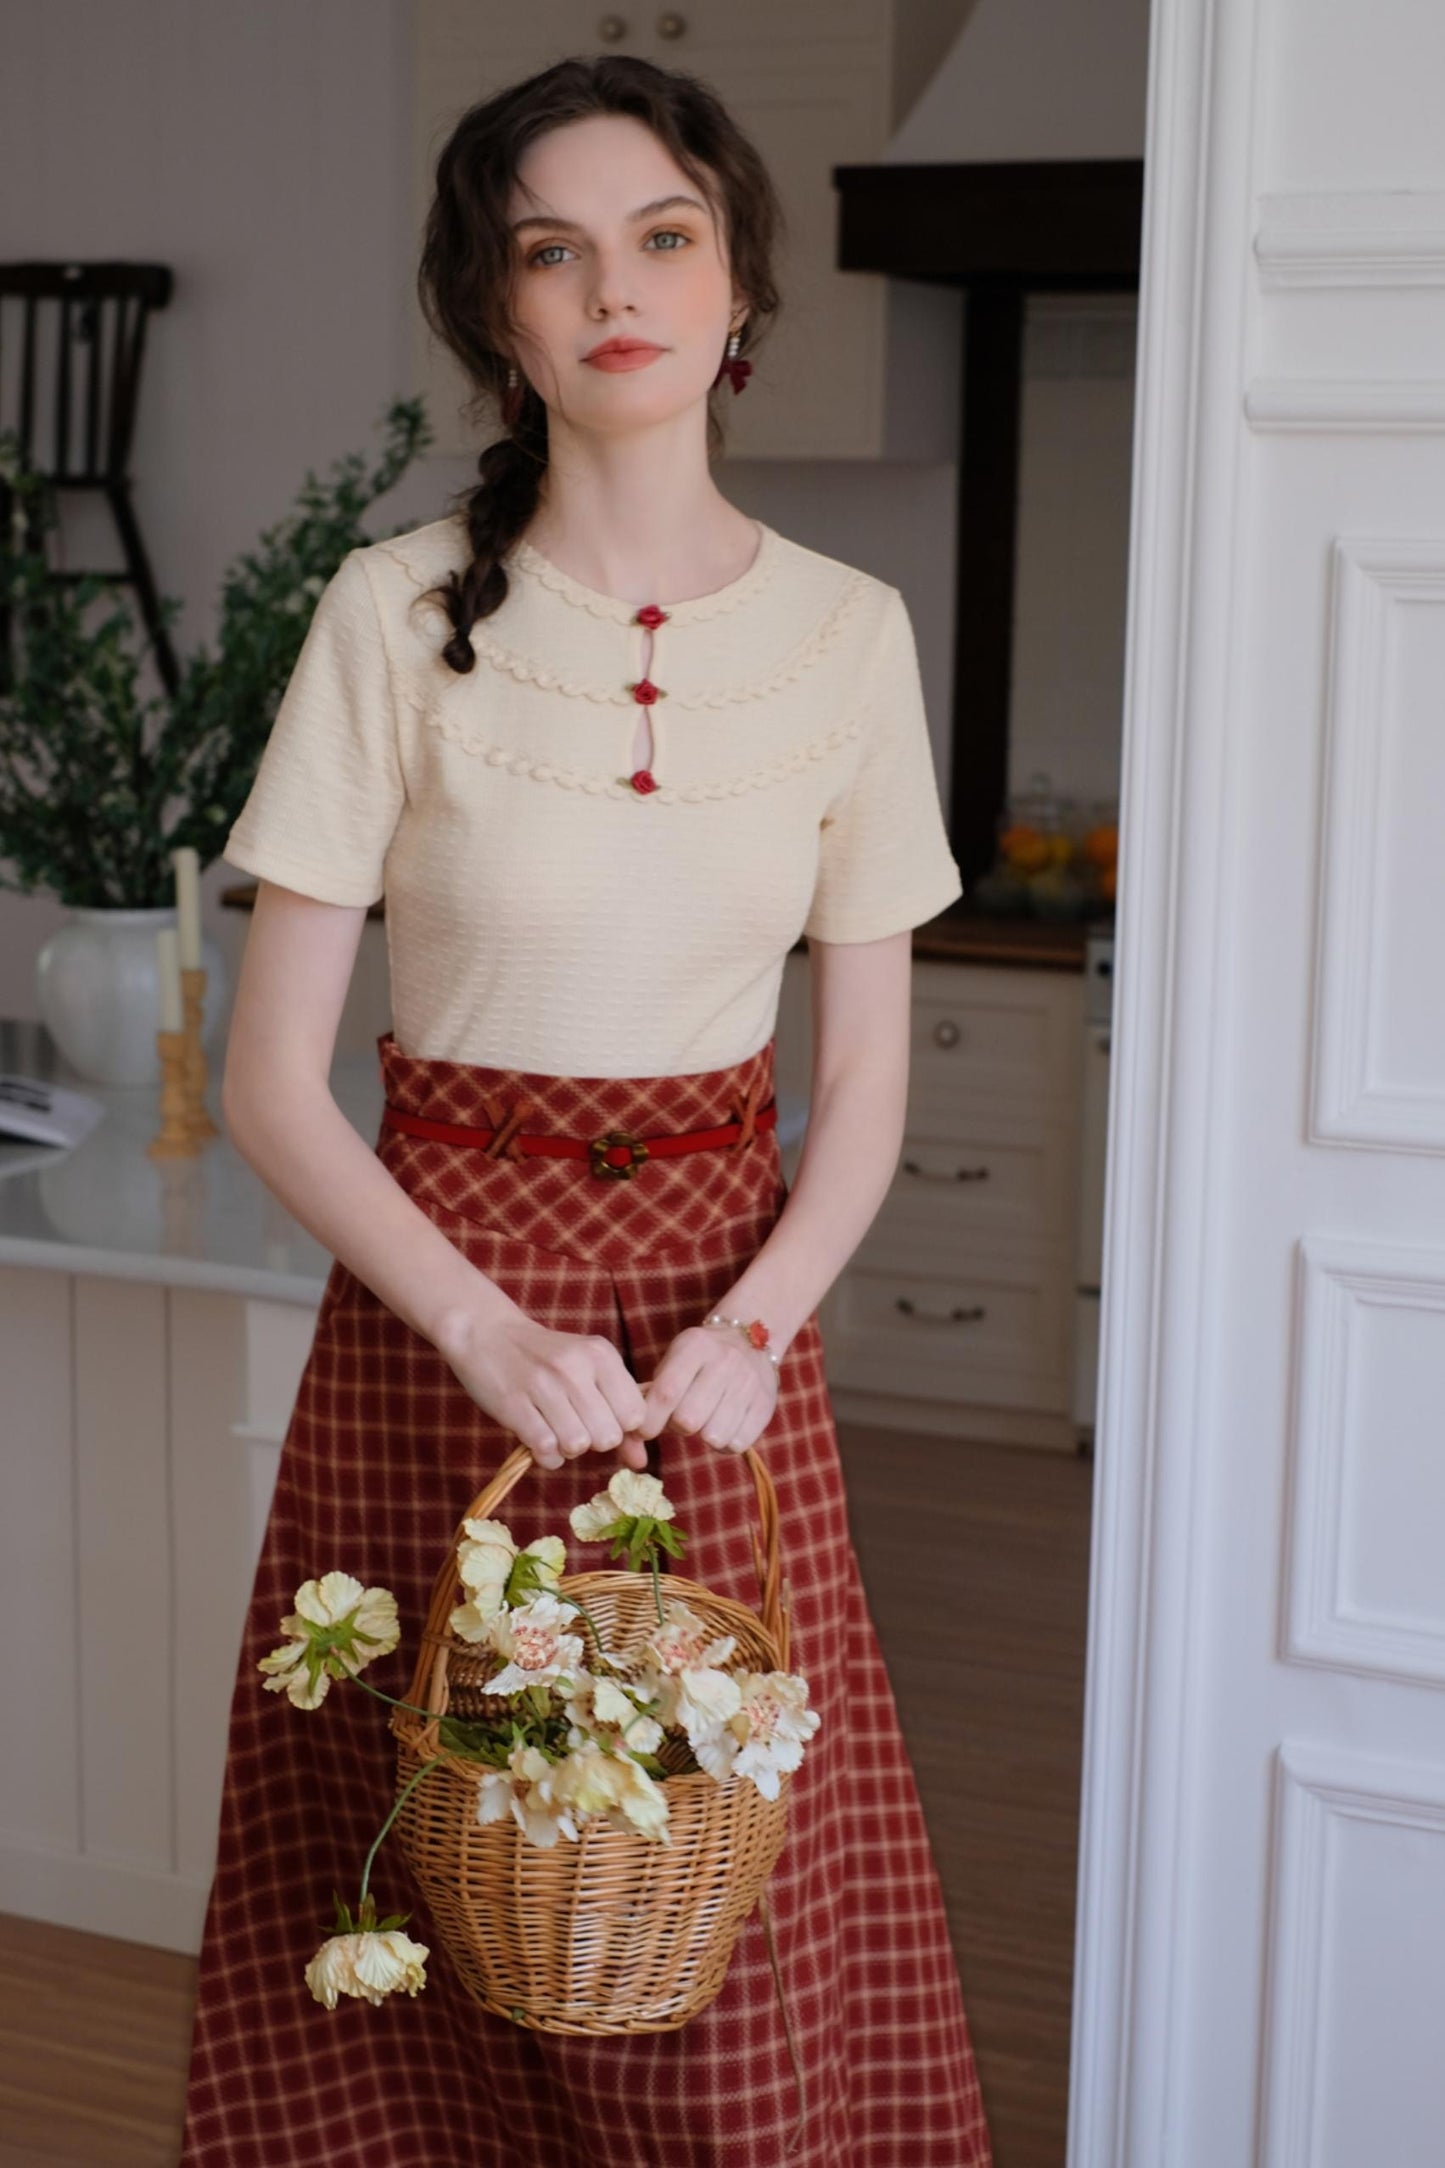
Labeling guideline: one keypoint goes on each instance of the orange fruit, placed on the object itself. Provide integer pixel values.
(1025, 847)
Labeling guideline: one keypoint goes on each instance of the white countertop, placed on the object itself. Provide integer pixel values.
(209, 1222)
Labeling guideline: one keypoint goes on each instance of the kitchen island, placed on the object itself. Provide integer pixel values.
(154, 1321)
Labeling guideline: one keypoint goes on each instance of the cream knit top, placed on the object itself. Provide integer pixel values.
(553, 904)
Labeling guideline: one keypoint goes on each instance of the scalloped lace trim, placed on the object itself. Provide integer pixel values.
(610, 607)
(828, 629)
(608, 786)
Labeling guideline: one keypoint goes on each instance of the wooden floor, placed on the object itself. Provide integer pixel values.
(976, 1560)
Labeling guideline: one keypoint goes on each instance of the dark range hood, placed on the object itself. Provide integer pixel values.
(1001, 232)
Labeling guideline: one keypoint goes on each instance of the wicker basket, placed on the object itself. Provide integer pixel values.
(615, 1932)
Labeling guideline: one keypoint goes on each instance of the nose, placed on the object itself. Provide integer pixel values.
(610, 290)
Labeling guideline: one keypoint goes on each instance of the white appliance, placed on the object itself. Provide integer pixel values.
(1093, 1156)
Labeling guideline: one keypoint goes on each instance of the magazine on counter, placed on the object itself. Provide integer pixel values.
(34, 1112)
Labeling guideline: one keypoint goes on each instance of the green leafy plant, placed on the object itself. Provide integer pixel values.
(99, 781)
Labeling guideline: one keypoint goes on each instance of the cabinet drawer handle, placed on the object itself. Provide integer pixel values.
(671, 25)
(612, 27)
(945, 1032)
(932, 1174)
(955, 1316)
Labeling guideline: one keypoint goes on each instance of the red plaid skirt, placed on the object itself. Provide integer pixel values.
(384, 1452)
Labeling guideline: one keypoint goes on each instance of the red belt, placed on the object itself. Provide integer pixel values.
(616, 1153)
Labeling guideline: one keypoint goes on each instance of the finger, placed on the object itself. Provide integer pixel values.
(722, 1427)
(555, 1401)
(674, 1374)
(605, 1429)
(700, 1403)
(633, 1451)
(659, 1401)
(527, 1424)
(623, 1396)
(539, 1439)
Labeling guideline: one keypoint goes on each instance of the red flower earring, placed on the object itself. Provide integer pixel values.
(732, 367)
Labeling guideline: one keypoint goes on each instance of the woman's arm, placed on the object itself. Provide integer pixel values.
(861, 993)
(561, 1393)
(861, 1000)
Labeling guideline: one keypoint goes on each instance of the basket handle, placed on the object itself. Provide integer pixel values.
(774, 1606)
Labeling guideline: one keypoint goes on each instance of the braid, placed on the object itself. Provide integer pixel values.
(498, 511)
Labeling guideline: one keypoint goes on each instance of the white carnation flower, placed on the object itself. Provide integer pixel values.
(603, 1704)
(686, 1681)
(529, 1790)
(765, 1737)
(596, 1780)
(371, 1965)
(535, 1639)
(337, 1628)
(630, 1495)
(487, 1563)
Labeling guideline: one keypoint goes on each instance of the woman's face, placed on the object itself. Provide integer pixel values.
(615, 242)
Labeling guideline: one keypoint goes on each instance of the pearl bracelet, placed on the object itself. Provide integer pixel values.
(755, 1329)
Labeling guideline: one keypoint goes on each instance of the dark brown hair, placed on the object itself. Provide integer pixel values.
(469, 262)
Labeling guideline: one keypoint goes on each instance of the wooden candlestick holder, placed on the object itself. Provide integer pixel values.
(193, 998)
(175, 1139)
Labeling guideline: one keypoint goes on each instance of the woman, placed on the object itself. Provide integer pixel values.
(608, 746)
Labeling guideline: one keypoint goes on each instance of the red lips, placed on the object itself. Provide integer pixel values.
(622, 346)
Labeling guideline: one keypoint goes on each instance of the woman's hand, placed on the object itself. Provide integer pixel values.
(713, 1384)
(561, 1393)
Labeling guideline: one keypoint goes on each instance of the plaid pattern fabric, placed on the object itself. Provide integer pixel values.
(384, 1452)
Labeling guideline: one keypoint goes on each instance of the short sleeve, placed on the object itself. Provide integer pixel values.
(884, 859)
(328, 791)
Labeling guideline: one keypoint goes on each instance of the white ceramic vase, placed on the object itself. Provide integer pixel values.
(99, 986)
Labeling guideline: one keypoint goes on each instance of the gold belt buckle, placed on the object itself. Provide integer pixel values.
(600, 1146)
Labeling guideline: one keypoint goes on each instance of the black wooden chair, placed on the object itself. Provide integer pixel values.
(72, 340)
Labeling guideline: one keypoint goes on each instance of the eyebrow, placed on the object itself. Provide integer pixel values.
(647, 210)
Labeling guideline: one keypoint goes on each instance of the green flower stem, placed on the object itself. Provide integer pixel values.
(578, 1605)
(656, 1585)
(357, 1680)
(435, 1762)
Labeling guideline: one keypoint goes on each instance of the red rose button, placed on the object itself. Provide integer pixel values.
(645, 692)
(644, 780)
(651, 616)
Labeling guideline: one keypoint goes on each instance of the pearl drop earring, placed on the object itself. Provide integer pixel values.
(732, 366)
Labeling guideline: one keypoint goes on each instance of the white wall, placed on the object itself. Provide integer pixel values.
(1076, 426)
(255, 149)
(261, 152)
(1036, 79)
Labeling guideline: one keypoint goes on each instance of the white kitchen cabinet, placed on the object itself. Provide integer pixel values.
(812, 81)
(955, 1315)
(142, 1428)
(154, 1321)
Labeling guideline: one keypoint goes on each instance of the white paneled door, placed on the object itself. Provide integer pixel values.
(1261, 1959)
